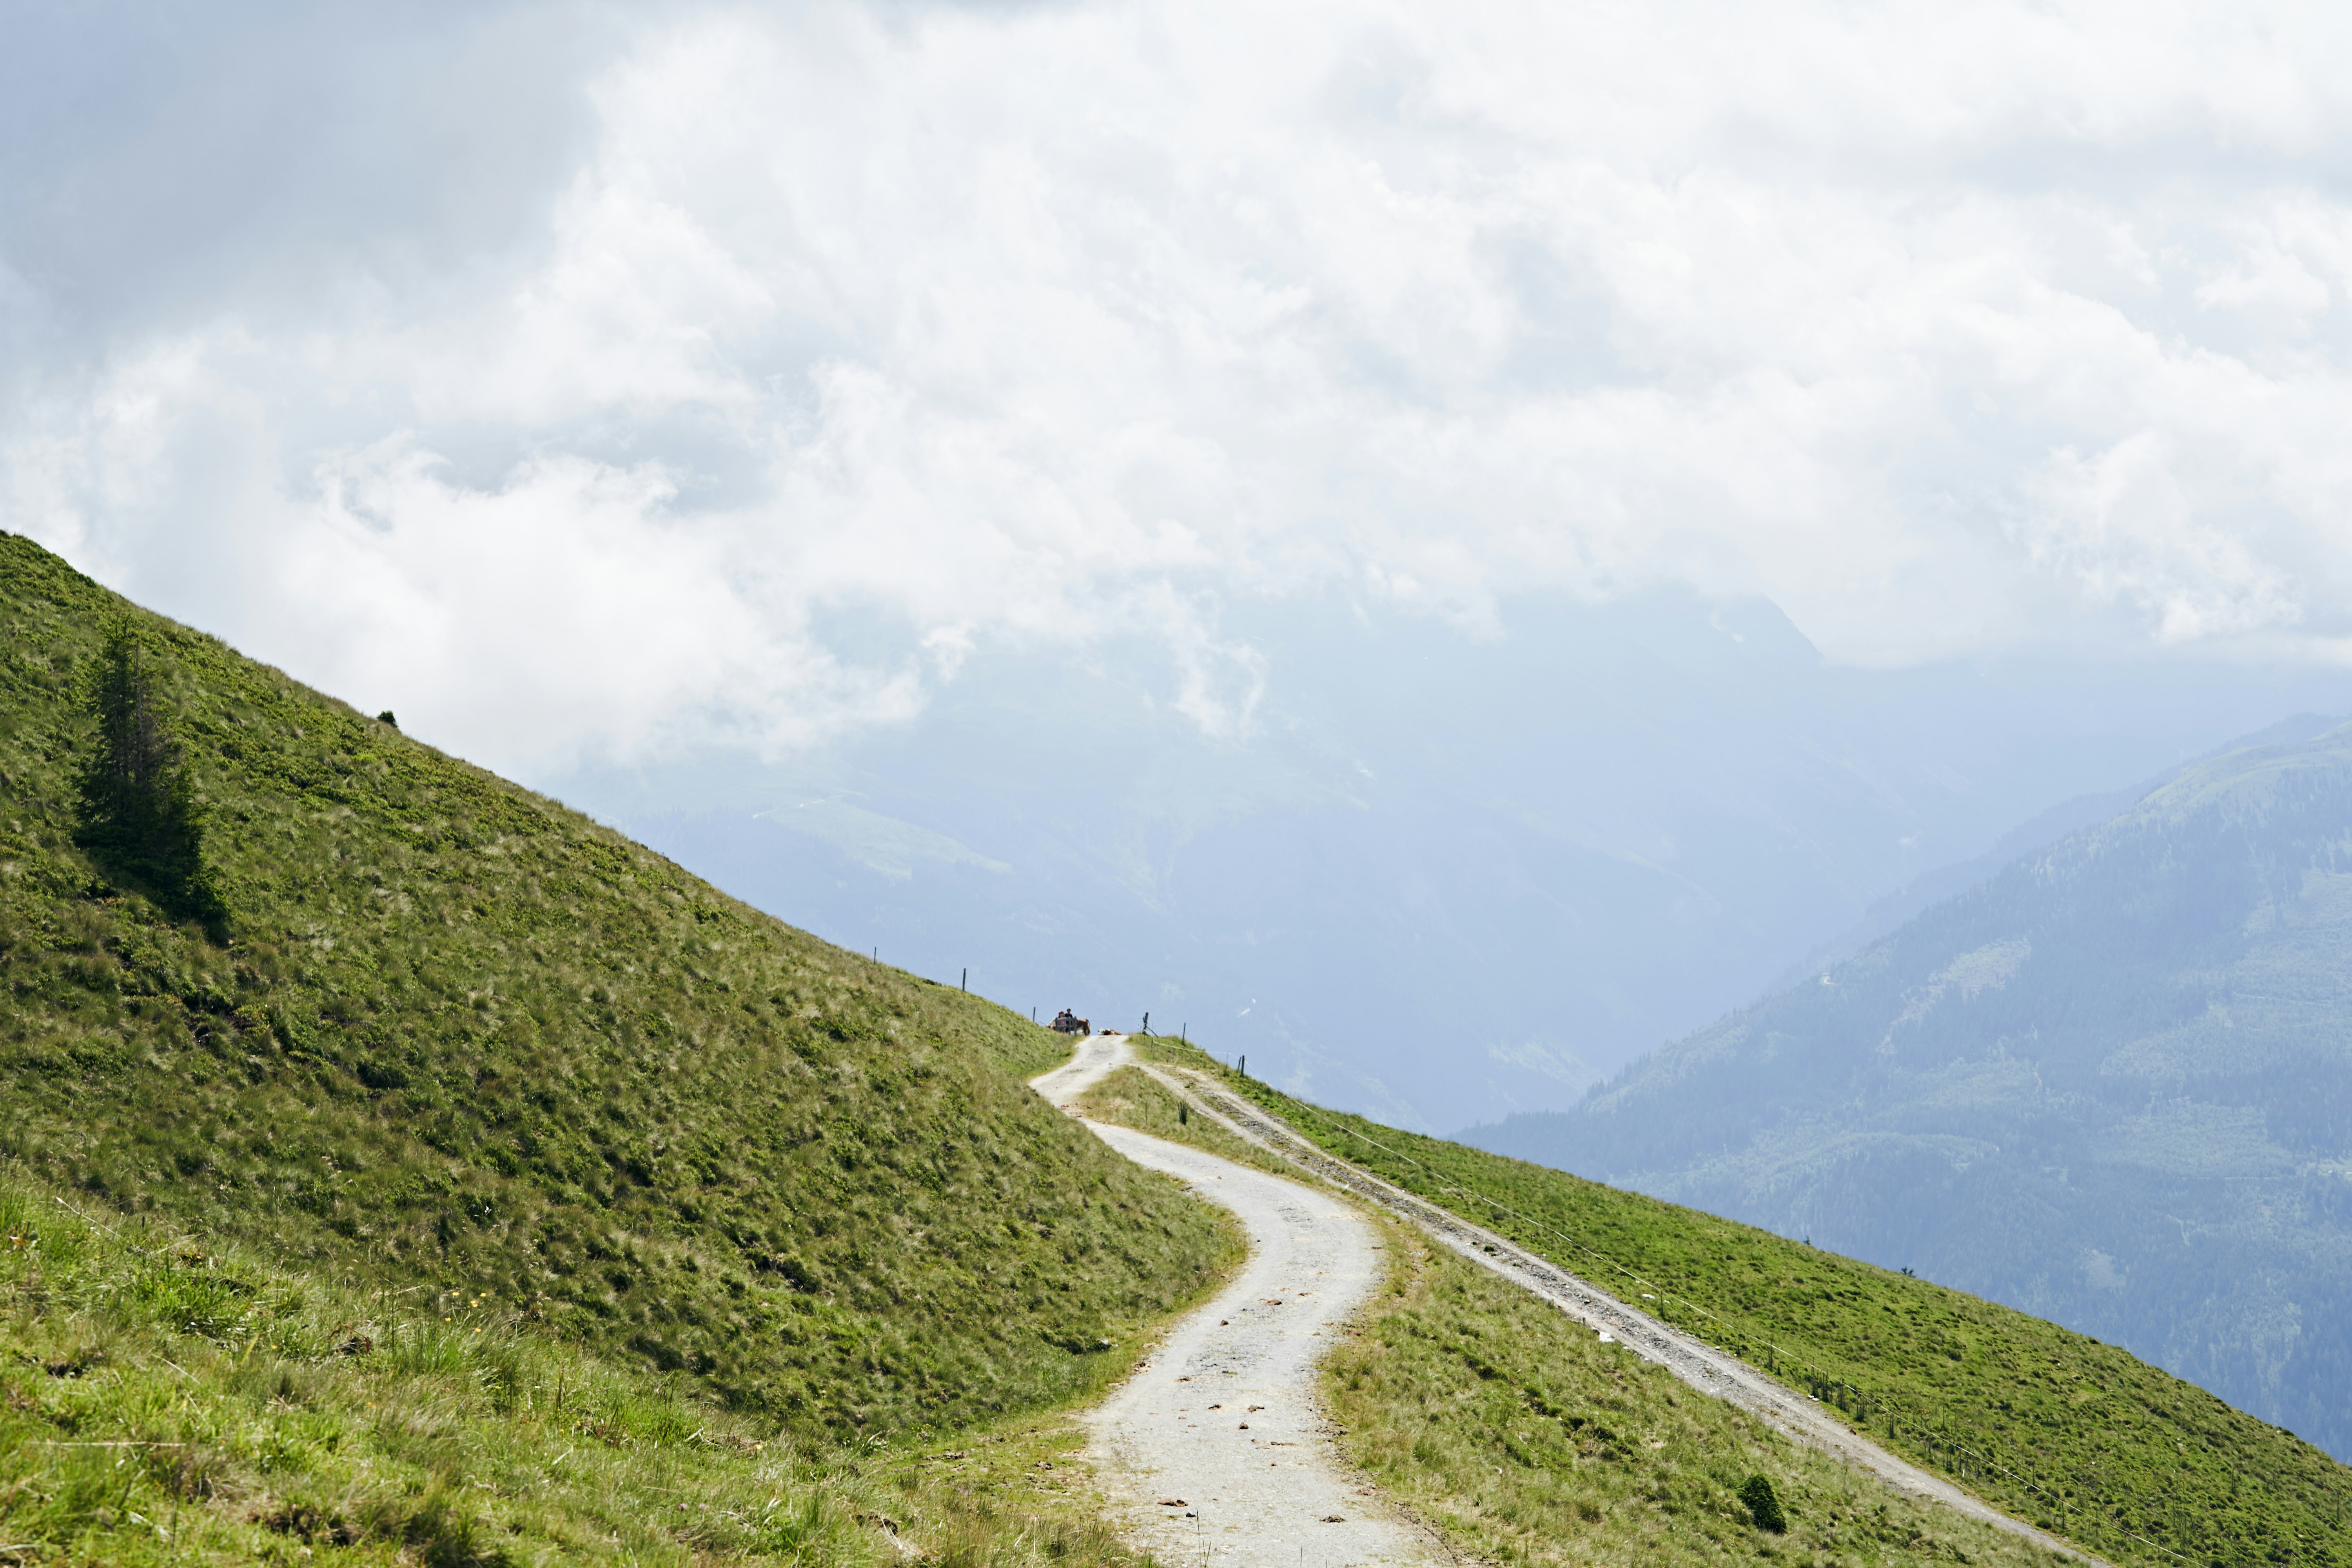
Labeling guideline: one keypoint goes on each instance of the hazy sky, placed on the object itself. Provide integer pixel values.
(576, 378)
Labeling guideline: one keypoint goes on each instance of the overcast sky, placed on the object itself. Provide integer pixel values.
(577, 379)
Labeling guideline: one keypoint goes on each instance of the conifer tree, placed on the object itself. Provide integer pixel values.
(139, 816)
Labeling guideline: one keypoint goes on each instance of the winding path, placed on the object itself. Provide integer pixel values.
(1259, 1495)
(1216, 1451)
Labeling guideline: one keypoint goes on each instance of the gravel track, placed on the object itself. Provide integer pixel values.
(1697, 1363)
(1217, 1451)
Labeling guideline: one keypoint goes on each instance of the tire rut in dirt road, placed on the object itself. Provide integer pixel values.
(1217, 1450)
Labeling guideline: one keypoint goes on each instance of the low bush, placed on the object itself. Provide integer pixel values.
(1763, 1505)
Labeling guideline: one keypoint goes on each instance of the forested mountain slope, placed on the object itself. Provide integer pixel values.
(469, 1045)
(2112, 1087)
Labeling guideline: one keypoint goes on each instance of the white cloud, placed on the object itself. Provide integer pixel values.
(1946, 328)
(571, 591)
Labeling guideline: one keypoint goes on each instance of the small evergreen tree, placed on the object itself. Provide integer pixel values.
(1763, 1507)
(138, 811)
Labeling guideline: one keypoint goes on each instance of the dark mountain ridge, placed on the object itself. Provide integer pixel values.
(2111, 1085)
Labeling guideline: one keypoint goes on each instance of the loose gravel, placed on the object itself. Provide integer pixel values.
(1217, 1451)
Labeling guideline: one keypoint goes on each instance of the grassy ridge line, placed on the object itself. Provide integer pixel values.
(1522, 1438)
(468, 1042)
(2094, 1443)
(164, 1398)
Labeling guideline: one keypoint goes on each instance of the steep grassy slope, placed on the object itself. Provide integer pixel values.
(2078, 1437)
(1524, 1439)
(2112, 1086)
(168, 1399)
(469, 1045)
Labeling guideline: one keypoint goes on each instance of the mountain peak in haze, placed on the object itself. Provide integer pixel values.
(2110, 1085)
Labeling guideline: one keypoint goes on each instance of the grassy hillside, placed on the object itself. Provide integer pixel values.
(2079, 1438)
(165, 1398)
(2112, 1086)
(472, 1046)
(1528, 1441)
(1525, 1439)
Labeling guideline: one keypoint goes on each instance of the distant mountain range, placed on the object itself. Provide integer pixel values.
(1430, 874)
(2111, 1085)
(2039, 831)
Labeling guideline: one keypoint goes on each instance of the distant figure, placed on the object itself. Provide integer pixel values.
(1068, 1023)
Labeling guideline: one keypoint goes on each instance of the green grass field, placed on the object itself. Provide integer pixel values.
(467, 1042)
(1527, 1441)
(1131, 1099)
(2079, 1438)
(471, 1053)
(166, 1398)
(1524, 1439)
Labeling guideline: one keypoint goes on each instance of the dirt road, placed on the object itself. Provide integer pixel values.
(1216, 1451)
(1172, 1424)
(1096, 1058)
(1697, 1363)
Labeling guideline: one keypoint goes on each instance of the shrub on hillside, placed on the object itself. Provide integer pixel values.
(1763, 1506)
